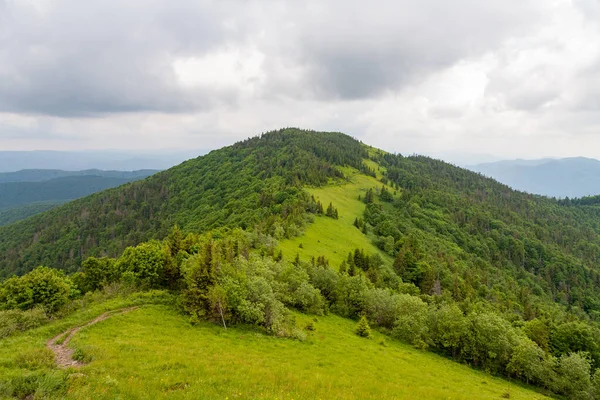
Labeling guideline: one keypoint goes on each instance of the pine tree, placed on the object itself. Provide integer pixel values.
(362, 328)
(369, 196)
(329, 212)
(352, 271)
(343, 268)
(279, 256)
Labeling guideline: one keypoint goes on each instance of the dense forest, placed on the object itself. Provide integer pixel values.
(14, 214)
(29, 192)
(252, 184)
(502, 280)
(14, 194)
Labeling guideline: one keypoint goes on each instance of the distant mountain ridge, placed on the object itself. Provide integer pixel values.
(123, 160)
(41, 175)
(28, 192)
(564, 177)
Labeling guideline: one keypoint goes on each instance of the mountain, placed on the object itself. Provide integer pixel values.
(310, 223)
(67, 188)
(41, 175)
(29, 192)
(239, 185)
(101, 159)
(566, 177)
(17, 213)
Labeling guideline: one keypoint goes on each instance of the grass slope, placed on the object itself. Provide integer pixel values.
(335, 238)
(153, 352)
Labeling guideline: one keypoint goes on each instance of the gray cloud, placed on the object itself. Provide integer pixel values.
(431, 75)
(355, 49)
(74, 58)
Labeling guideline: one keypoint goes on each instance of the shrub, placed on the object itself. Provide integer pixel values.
(96, 273)
(490, 341)
(350, 294)
(146, 262)
(574, 375)
(411, 320)
(12, 321)
(531, 364)
(46, 287)
(448, 327)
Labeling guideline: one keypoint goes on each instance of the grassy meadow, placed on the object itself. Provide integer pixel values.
(323, 236)
(154, 353)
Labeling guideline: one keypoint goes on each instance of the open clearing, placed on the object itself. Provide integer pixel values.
(323, 236)
(153, 352)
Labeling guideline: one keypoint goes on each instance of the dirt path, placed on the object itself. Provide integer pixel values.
(63, 354)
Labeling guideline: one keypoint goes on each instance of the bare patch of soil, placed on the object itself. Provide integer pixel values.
(59, 344)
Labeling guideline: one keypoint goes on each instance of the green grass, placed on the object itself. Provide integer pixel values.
(153, 352)
(330, 237)
(335, 238)
(24, 369)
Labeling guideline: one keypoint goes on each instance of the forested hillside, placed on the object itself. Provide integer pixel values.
(455, 262)
(14, 194)
(252, 184)
(13, 214)
(29, 192)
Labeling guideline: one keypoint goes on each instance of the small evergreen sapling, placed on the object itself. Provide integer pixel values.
(362, 328)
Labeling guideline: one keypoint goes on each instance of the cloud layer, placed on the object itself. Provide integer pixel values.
(505, 78)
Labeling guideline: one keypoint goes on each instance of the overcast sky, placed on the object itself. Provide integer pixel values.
(455, 79)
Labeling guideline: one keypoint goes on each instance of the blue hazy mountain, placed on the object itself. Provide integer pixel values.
(41, 175)
(563, 177)
(29, 192)
(82, 160)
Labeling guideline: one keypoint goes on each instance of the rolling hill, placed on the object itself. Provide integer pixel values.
(29, 192)
(42, 175)
(123, 160)
(294, 223)
(560, 178)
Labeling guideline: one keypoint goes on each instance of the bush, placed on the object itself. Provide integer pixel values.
(146, 262)
(12, 321)
(351, 294)
(490, 341)
(46, 287)
(448, 327)
(531, 364)
(574, 375)
(96, 273)
(39, 384)
(411, 320)
(381, 307)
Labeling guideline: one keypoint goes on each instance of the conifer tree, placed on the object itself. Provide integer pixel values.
(369, 196)
(362, 328)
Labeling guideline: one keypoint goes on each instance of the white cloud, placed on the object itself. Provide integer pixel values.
(509, 79)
